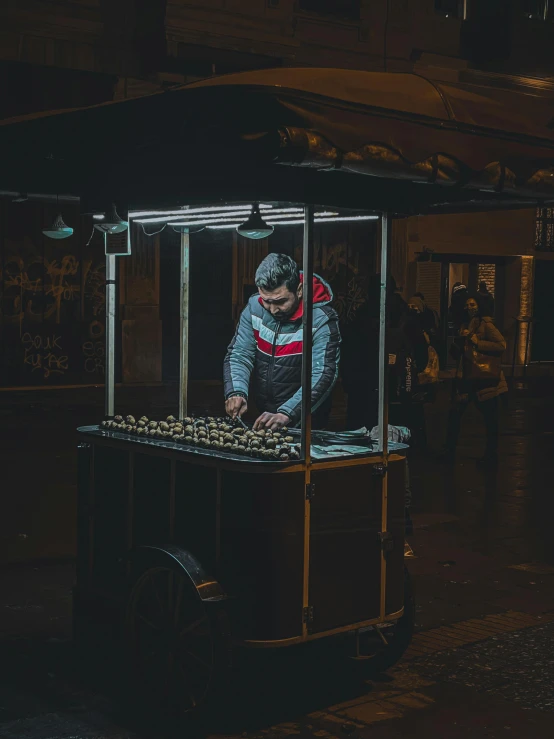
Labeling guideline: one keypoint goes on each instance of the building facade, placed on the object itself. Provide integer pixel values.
(70, 53)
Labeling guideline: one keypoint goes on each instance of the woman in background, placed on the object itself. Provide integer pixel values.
(479, 378)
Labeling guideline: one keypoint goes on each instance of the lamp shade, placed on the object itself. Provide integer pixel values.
(255, 227)
(189, 229)
(111, 223)
(58, 230)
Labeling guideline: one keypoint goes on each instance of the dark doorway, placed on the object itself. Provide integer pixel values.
(542, 347)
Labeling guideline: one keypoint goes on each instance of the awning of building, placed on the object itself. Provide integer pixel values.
(397, 142)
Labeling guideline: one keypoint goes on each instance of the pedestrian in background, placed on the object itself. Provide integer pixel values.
(430, 320)
(458, 305)
(486, 300)
(479, 378)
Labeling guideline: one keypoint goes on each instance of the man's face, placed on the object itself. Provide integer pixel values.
(281, 303)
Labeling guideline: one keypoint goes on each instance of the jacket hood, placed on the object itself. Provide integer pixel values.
(322, 296)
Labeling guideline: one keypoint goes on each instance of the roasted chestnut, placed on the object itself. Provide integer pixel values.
(170, 419)
(130, 420)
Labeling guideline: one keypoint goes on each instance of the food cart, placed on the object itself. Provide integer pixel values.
(186, 552)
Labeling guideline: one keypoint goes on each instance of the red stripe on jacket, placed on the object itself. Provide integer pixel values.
(281, 350)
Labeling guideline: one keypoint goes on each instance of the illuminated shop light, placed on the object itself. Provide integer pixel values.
(193, 211)
(224, 221)
(214, 217)
(320, 218)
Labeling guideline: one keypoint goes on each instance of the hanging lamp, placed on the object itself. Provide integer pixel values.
(59, 229)
(255, 227)
(111, 223)
(180, 228)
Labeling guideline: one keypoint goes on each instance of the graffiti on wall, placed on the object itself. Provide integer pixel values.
(52, 303)
(37, 289)
(44, 354)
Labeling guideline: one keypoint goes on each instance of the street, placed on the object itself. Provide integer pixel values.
(481, 660)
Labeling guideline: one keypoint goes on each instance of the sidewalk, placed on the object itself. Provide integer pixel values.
(483, 572)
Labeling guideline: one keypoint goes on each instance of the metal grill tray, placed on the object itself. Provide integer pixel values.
(365, 450)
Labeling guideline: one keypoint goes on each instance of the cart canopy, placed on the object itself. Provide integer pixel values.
(380, 141)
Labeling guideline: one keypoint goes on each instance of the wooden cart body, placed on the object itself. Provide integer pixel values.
(242, 522)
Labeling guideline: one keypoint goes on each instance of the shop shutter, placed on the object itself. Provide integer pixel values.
(428, 282)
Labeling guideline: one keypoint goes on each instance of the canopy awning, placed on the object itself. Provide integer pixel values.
(396, 142)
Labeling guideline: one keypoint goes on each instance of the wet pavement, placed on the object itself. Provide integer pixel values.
(480, 663)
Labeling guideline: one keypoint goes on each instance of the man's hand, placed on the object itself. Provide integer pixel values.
(474, 339)
(273, 421)
(235, 406)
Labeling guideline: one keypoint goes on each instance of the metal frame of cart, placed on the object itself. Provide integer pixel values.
(305, 465)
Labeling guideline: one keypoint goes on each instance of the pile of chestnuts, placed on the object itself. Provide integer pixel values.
(221, 434)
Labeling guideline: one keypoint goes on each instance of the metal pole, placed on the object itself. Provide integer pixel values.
(386, 233)
(386, 237)
(110, 334)
(306, 424)
(307, 322)
(527, 339)
(184, 327)
(514, 355)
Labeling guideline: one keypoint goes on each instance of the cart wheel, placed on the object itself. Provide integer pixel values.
(178, 643)
(384, 646)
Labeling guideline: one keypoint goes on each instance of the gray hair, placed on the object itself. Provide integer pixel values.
(277, 270)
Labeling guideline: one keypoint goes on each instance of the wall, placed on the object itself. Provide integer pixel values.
(505, 233)
(52, 298)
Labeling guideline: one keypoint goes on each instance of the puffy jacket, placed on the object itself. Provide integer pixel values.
(270, 353)
(489, 339)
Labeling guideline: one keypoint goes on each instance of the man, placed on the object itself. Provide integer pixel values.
(486, 300)
(430, 319)
(267, 348)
